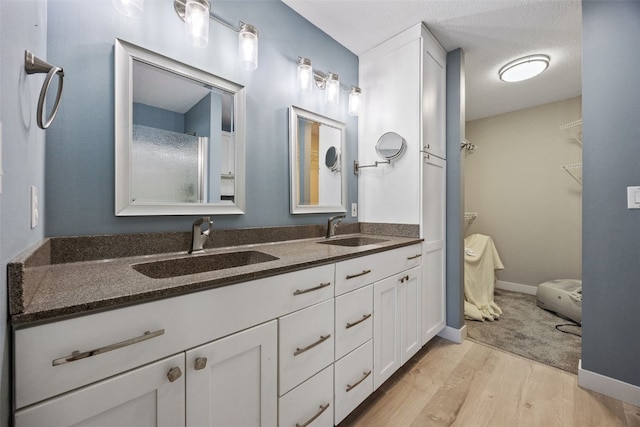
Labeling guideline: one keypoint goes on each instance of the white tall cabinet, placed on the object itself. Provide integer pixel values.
(403, 84)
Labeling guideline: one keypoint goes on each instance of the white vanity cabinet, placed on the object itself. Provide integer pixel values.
(152, 395)
(233, 381)
(396, 327)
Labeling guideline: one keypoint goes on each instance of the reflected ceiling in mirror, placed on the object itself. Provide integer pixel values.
(179, 137)
(316, 144)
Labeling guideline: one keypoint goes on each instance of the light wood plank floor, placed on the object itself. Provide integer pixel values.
(471, 384)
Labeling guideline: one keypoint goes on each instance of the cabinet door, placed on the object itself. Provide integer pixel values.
(232, 381)
(386, 330)
(227, 154)
(433, 98)
(144, 397)
(433, 265)
(410, 307)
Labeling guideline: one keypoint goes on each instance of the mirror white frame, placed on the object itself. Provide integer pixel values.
(124, 56)
(296, 114)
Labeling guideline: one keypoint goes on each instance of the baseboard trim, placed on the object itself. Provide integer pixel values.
(453, 334)
(516, 287)
(608, 386)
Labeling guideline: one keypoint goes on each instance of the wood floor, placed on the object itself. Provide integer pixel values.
(470, 384)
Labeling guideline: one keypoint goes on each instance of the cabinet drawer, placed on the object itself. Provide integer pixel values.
(306, 344)
(354, 320)
(353, 380)
(357, 272)
(175, 324)
(311, 403)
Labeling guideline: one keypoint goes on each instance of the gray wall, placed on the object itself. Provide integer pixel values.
(455, 188)
(611, 152)
(80, 144)
(23, 25)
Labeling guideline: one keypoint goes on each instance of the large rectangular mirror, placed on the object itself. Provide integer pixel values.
(179, 137)
(316, 147)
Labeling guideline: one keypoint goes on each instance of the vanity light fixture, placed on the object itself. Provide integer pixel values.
(354, 101)
(131, 8)
(330, 82)
(524, 68)
(196, 14)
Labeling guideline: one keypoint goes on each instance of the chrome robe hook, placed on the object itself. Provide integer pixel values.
(35, 65)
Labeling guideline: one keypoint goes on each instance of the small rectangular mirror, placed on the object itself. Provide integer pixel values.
(316, 148)
(179, 137)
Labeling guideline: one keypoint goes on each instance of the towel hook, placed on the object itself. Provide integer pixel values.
(35, 65)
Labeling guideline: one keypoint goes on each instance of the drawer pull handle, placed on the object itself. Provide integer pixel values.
(174, 374)
(414, 257)
(304, 291)
(201, 363)
(322, 339)
(364, 317)
(365, 375)
(353, 276)
(312, 419)
(76, 355)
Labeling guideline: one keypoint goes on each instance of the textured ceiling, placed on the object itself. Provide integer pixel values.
(491, 33)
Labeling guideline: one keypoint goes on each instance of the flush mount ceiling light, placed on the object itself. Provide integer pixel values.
(524, 68)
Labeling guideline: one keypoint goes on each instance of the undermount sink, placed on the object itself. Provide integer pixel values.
(353, 241)
(200, 264)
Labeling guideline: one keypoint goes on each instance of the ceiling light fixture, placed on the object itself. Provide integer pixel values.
(524, 68)
(198, 30)
(131, 8)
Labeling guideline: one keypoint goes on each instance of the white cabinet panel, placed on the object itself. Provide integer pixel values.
(386, 330)
(410, 307)
(311, 403)
(353, 380)
(233, 381)
(433, 100)
(306, 344)
(142, 397)
(354, 320)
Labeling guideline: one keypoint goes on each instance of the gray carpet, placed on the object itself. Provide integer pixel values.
(529, 331)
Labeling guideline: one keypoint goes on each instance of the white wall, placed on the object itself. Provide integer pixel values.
(524, 200)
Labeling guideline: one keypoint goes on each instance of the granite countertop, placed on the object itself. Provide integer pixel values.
(46, 291)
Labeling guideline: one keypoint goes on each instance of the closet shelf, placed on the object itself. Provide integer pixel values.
(470, 217)
(574, 129)
(570, 170)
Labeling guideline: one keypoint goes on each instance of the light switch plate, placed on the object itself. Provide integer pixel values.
(354, 210)
(34, 206)
(633, 197)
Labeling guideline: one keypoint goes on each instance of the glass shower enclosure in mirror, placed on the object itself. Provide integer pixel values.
(179, 137)
(316, 144)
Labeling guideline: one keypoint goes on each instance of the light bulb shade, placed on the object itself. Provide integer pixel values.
(332, 89)
(248, 46)
(354, 101)
(305, 75)
(196, 18)
(131, 8)
(524, 68)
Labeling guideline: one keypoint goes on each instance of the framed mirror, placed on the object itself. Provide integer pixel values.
(179, 137)
(316, 144)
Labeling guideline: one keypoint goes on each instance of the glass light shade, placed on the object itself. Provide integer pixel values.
(524, 68)
(354, 101)
(196, 18)
(248, 46)
(131, 8)
(305, 75)
(333, 89)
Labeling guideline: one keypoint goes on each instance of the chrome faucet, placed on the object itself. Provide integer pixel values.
(331, 227)
(198, 237)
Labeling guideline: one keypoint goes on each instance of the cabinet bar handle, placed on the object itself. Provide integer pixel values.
(404, 279)
(364, 317)
(304, 291)
(414, 257)
(77, 355)
(353, 276)
(364, 377)
(322, 339)
(312, 419)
